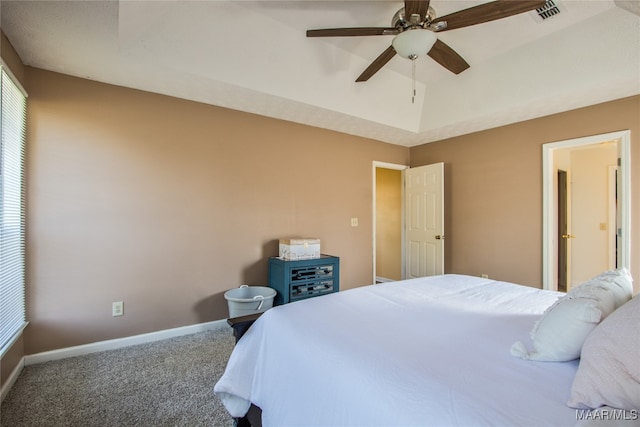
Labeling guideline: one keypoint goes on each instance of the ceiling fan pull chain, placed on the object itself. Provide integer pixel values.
(413, 80)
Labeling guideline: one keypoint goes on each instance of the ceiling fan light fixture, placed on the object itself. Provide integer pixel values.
(414, 43)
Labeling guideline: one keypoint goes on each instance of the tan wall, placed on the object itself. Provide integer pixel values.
(165, 204)
(589, 181)
(12, 357)
(389, 223)
(11, 58)
(493, 189)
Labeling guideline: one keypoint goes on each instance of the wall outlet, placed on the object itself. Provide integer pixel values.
(117, 308)
(484, 275)
(354, 222)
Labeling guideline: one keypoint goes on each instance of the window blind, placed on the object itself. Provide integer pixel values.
(12, 220)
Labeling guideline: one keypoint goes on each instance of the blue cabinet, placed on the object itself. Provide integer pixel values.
(301, 279)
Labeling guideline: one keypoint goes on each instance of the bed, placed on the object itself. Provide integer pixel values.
(426, 351)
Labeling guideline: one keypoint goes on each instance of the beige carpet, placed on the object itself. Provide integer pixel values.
(165, 383)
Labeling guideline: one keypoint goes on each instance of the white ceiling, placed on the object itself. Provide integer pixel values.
(254, 56)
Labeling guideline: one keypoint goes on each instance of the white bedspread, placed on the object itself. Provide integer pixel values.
(429, 351)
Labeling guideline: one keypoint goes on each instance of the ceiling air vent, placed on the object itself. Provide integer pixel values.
(550, 9)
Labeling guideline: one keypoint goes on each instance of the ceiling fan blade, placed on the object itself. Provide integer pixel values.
(378, 63)
(485, 12)
(420, 7)
(447, 57)
(350, 32)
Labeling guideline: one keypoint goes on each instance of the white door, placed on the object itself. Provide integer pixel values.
(424, 221)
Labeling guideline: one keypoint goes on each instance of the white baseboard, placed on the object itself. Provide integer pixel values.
(11, 379)
(383, 279)
(113, 344)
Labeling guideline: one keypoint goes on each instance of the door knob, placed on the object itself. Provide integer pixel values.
(568, 236)
(438, 237)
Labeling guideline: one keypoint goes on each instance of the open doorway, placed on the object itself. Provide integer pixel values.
(585, 208)
(408, 220)
(388, 214)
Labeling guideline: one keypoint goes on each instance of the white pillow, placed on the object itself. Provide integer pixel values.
(558, 336)
(609, 371)
(619, 281)
(561, 331)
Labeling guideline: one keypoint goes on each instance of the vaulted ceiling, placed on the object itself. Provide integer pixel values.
(254, 56)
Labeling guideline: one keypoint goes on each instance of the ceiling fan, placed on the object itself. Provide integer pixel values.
(415, 26)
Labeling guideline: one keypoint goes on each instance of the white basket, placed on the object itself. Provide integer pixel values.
(247, 300)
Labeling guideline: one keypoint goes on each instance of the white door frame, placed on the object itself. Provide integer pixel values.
(385, 165)
(548, 242)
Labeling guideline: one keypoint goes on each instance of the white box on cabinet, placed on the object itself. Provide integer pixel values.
(299, 248)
